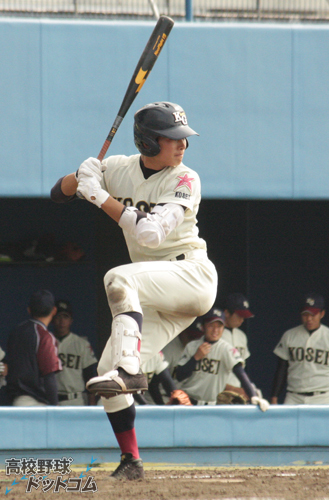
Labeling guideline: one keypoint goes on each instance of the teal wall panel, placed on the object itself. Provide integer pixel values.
(256, 93)
(21, 168)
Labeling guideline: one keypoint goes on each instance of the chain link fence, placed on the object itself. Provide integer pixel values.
(199, 10)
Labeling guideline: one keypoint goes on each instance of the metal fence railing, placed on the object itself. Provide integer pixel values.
(200, 10)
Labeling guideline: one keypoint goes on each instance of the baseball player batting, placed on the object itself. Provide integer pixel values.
(155, 199)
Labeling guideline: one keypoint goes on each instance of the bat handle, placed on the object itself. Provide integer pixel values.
(105, 147)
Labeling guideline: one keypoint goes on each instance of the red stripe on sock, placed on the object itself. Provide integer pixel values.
(128, 442)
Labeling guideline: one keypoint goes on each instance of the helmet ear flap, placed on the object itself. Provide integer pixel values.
(146, 145)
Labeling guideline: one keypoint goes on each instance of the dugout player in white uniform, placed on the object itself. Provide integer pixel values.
(206, 364)
(156, 371)
(303, 358)
(79, 362)
(154, 198)
(236, 310)
(174, 350)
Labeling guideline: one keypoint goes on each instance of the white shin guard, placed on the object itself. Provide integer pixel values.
(124, 341)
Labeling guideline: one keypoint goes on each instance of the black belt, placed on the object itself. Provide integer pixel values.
(65, 397)
(308, 393)
(180, 257)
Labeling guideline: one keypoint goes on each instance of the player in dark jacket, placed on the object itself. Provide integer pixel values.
(32, 356)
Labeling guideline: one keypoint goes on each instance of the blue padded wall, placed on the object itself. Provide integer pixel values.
(256, 93)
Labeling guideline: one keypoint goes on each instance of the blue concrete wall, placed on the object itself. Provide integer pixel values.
(225, 435)
(256, 93)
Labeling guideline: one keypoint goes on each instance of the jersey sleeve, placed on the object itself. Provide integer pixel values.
(162, 363)
(88, 355)
(47, 358)
(188, 352)
(281, 348)
(183, 188)
(231, 356)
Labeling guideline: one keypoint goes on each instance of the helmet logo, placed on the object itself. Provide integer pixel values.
(180, 116)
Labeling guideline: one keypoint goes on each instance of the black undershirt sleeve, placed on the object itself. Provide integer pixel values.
(184, 371)
(244, 379)
(280, 377)
(57, 195)
(163, 378)
(89, 372)
(50, 385)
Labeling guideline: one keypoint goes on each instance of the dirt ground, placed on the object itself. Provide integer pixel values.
(293, 483)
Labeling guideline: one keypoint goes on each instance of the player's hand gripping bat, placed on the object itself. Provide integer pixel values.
(142, 71)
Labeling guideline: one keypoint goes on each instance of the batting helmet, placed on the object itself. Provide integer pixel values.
(159, 119)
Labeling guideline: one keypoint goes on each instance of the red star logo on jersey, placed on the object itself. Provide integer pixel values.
(185, 180)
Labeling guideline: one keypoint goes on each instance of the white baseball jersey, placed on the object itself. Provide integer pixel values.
(308, 358)
(124, 181)
(169, 293)
(238, 339)
(75, 353)
(211, 373)
(172, 353)
(154, 366)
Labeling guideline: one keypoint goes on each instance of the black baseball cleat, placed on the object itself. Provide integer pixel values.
(118, 382)
(130, 469)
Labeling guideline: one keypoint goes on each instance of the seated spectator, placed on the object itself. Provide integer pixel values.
(206, 363)
(174, 350)
(79, 362)
(32, 356)
(236, 310)
(303, 354)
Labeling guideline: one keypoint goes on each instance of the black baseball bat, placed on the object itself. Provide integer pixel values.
(145, 64)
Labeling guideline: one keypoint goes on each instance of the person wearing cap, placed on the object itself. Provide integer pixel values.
(236, 310)
(303, 358)
(32, 356)
(204, 368)
(154, 198)
(77, 357)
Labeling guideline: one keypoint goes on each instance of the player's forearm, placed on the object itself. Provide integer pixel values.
(244, 379)
(280, 379)
(69, 185)
(113, 208)
(185, 371)
(51, 390)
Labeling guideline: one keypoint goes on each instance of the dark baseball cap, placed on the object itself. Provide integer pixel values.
(238, 303)
(64, 307)
(195, 329)
(213, 315)
(41, 303)
(313, 303)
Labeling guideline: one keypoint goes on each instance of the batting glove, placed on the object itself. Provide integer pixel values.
(91, 190)
(90, 168)
(262, 403)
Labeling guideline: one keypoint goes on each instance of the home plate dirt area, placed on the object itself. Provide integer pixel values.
(186, 483)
